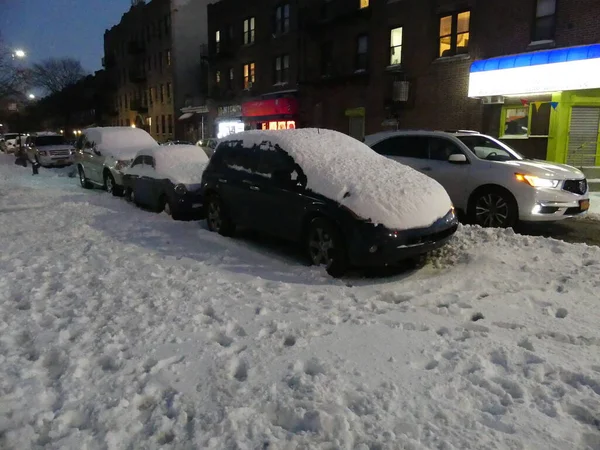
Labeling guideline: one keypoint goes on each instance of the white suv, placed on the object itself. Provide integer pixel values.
(490, 182)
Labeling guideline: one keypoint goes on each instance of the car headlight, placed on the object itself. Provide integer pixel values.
(180, 189)
(537, 182)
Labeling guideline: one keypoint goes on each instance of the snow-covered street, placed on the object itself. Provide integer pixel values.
(123, 329)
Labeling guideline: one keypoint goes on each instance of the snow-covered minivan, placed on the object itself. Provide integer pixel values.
(103, 153)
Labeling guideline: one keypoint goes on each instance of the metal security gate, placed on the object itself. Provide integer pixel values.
(583, 136)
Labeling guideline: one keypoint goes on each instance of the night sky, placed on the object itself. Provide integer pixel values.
(56, 28)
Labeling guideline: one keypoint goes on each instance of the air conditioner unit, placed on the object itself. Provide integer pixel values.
(400, 90)
(493, 100)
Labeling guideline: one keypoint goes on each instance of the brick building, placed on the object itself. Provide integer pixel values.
(362, 66)
(154, 58)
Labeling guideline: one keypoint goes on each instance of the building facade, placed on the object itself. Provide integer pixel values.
(362, 66)
(154, 57)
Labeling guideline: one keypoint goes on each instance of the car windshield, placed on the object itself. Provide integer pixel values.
(489, 149)
(10, 136)
(49, 140)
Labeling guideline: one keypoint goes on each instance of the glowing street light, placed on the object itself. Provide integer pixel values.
(20, 54)
(31, 96)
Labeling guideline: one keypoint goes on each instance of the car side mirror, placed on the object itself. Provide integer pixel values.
(458, 158)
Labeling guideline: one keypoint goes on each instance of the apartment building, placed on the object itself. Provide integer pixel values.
(154, 57)
(362, 66)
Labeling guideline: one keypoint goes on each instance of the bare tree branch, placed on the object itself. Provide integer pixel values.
(12, 78)
(54, 74)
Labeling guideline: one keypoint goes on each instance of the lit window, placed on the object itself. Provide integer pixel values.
(218, 77)
(249, 75)
(249, 30)
(218, 41)
(364, 4)
(396, 46)
(526, 121)
(545, 20)
(168, 57)
(362, 52)
(454, 34)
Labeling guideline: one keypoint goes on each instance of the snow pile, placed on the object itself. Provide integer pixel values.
(119, 142)
(595, 203)
(343, 169)
(178, 163)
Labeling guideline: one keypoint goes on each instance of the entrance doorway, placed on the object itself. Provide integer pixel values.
(583, 136)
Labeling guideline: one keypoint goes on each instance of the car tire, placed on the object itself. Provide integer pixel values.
(493, 207)
(111, 186)
(326, 247)
(83, 180)
(128, 194)
(217, 219)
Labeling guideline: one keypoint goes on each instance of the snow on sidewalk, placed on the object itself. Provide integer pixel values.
(122, 329)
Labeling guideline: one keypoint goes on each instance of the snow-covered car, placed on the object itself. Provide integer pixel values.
(103, 153)
(345, 203)
(168, 179)
(10, 143)
(177, 143)
(49, 149)
(208, 145)
(486, 179)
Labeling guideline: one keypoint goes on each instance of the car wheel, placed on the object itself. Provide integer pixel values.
(111, 186)
(128, 194)
(83, 180)
(326, 247)
(494, 208)
(217, 219)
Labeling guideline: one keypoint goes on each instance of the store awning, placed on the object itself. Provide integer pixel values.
(185, 116)
(545, 71)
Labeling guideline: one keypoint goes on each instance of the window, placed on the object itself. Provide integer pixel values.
(157, 125)
(249, 75)
(160, 61)
(138, 161)
(282, 19)
(249, 31)
(170, 122)
(282, 69)
(151, 96)
(440, 149)
(167, 24)
(362, 52)
(327, 59)
(218, 77)
(487, 148)
(168, 57)
(526, 121)
(169, 90)
(230, 79)
(162, 93)
(396, 46)
(404, 147)
(162, 123)
(454, 34)
(217, 41)
(363, 4)
(545, 20)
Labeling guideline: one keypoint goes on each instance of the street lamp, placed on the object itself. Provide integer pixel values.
(31, 96)
(20, 54)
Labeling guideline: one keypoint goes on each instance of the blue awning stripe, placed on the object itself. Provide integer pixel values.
(537, 58)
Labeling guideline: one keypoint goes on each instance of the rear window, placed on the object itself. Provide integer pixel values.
(10, 135)
(49, 140)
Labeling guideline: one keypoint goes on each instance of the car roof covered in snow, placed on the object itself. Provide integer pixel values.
(119, 141)
(179, 163)
(345, 170)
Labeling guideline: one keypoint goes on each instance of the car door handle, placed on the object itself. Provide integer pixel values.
(222, 180)
(254, 188)
(425, 169)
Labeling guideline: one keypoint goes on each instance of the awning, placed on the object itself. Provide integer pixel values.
(545, 71)
(185, 116)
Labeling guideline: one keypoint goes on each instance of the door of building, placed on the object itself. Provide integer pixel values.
(583, 136)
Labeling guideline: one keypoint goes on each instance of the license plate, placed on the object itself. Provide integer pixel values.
(584, 205)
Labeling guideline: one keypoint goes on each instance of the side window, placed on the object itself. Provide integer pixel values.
(138, 161)
(149, 161)
(440, 149)
(237, 157)
(280, 167)
(404, 147)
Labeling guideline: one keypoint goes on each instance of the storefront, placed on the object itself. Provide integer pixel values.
(194, 121)
(271, 114)
(229, 120)
(550, 97)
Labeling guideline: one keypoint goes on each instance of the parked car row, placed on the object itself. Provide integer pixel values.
(346, 202)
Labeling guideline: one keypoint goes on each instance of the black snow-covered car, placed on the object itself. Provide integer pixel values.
(345, 203)
(167, 178)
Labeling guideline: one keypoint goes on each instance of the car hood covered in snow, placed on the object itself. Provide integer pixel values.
(119, 142)
(345, 170)
(181, 164)
(545, 169)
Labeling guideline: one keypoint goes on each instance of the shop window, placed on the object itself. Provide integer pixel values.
(327, 59)
(527, 121)
(217, 41)
(396, 46)
(362, 52)
(454, 34)
(282, 69)
(249, 30)
(282, 19)
(363, 4)
(249, 75)
(545, 20)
